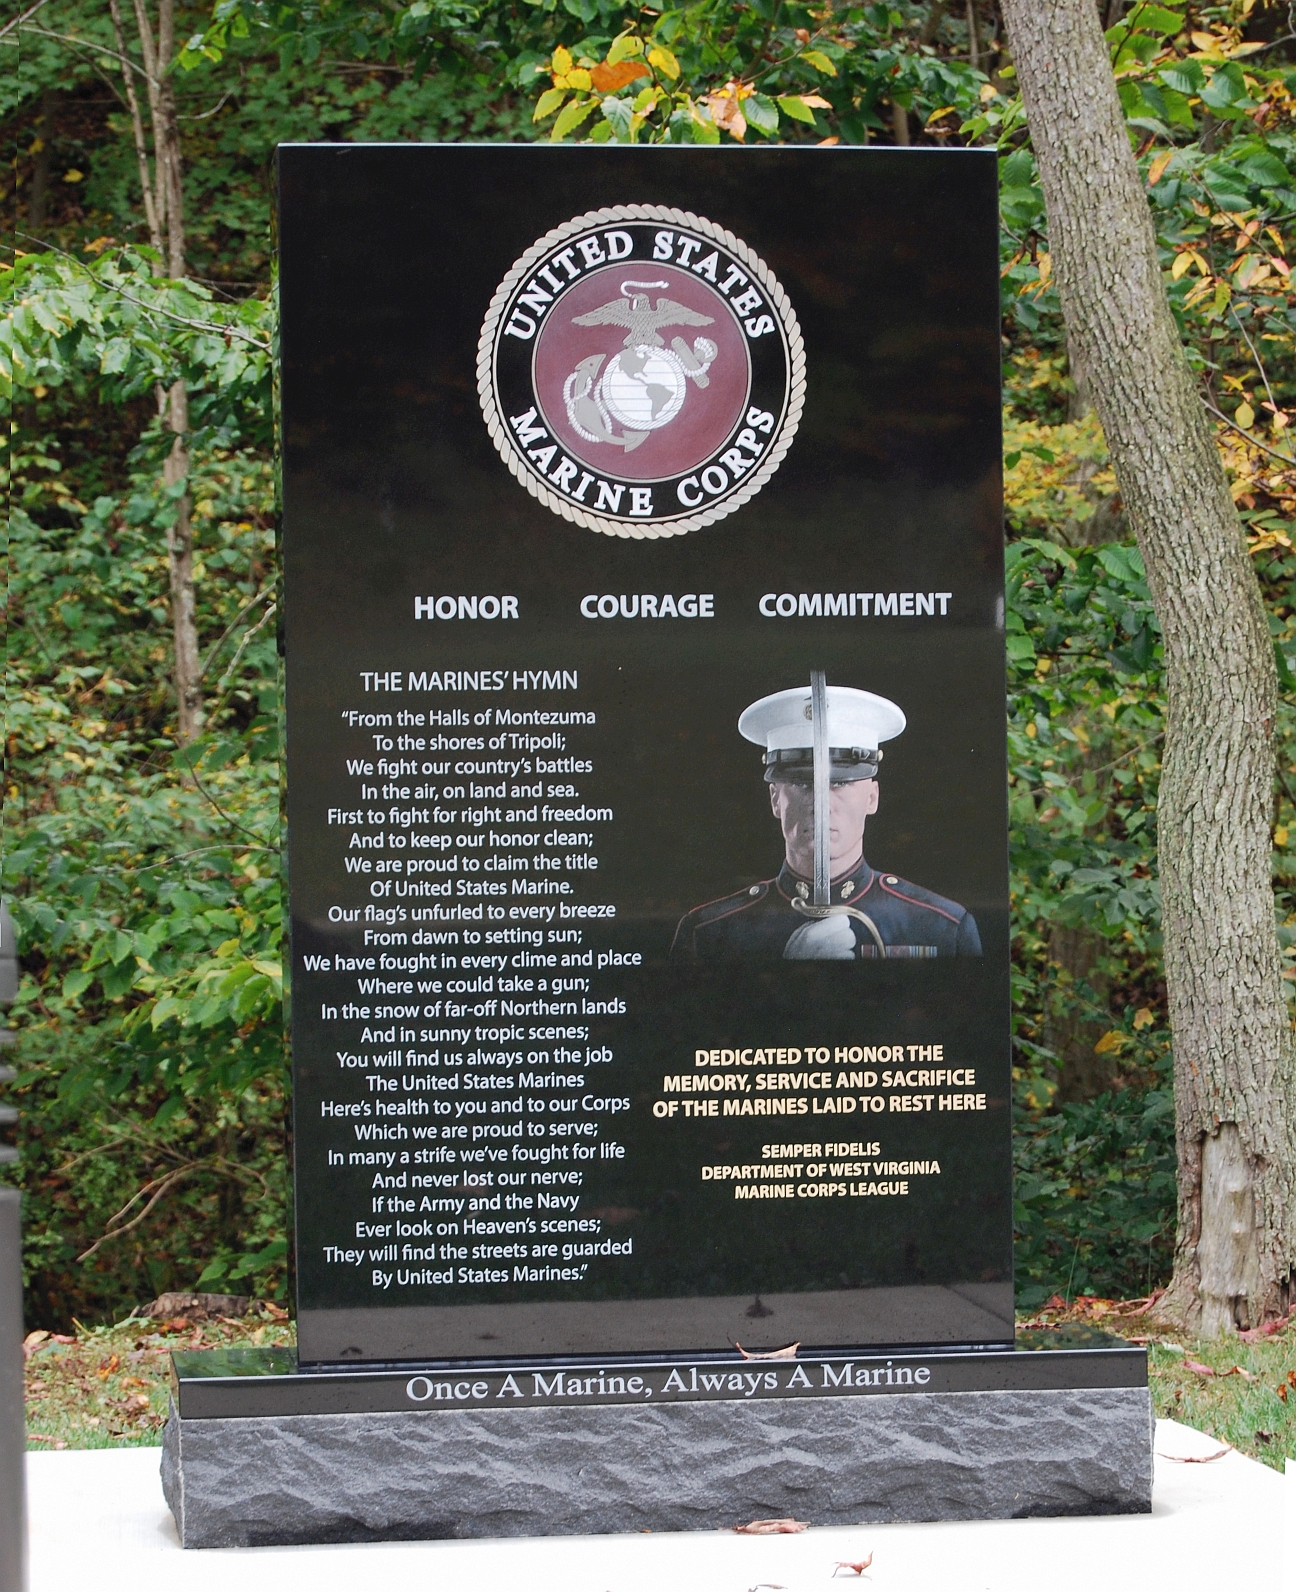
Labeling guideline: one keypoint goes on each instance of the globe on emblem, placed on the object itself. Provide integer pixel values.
(644, 387)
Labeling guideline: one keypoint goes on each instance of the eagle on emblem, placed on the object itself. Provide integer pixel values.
(643, 386)
(635, 313)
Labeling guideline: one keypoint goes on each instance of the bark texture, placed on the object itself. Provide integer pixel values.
(163, 193)
(1235, 1094)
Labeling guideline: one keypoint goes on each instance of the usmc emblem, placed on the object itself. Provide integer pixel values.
(641, 371)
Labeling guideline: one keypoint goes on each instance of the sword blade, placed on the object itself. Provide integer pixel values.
(822, 784)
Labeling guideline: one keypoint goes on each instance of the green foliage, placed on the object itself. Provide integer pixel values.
(112, 331)
(146, 884)
(1094, 1201)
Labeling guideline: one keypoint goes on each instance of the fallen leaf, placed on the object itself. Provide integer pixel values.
(772, 1528)
(32, 1342)
(858, 1567)
(1266, 1329)
(1196, 1459)
(1198, 1367)
(790, 1353)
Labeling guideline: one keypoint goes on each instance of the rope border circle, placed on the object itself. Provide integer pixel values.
(789, 325)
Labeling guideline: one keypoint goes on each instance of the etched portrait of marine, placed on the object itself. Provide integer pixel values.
(641, 371)
(827, 902)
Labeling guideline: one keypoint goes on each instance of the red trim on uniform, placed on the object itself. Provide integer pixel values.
(749, 902)
(864, 888)
(742, 906)
(900, 896)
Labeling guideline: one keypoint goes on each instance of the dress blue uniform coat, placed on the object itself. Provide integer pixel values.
(755, 924)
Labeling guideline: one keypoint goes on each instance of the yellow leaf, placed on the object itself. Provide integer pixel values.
(1045, 267)
(562, 62)
(571, 116)
(1157, 169)
(579, 78)
(1182, 262)
(1144, 1017)
(1245, 416)
(549, 101)
(1206, 41)
(817, 101)
(1032, 730)
(73, 176)
(664, 61)
(1111, 1043)
(623, 45)
(936, 115)
(988, 92)
(820, 62)
(1280, 835)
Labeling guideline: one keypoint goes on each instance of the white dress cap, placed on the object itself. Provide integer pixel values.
(782, 721)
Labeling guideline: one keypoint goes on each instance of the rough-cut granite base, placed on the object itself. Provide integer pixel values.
(677, 1467)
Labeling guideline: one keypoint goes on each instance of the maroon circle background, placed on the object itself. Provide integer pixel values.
(709, 414)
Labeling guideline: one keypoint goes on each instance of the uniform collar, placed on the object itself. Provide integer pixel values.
(850, 885)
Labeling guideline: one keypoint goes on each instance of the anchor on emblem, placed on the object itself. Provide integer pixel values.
(644, 385)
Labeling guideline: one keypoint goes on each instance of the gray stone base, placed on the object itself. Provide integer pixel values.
(831, 1461)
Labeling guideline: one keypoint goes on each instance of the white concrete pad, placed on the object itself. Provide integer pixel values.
(98, 1521)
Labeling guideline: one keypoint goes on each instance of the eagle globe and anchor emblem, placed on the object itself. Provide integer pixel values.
(641, 371)
(643, 387)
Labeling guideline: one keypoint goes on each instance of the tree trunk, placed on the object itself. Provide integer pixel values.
(1072, 1032)
(931, 27)
(184, 625)
(164, 210)
(39, 194)
(1235, 1089)
(137, 131)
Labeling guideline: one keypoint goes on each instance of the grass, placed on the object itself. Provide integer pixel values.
(1243, 1394)
(107, 1388)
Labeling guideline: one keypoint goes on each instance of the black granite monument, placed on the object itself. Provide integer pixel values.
(645, 628)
